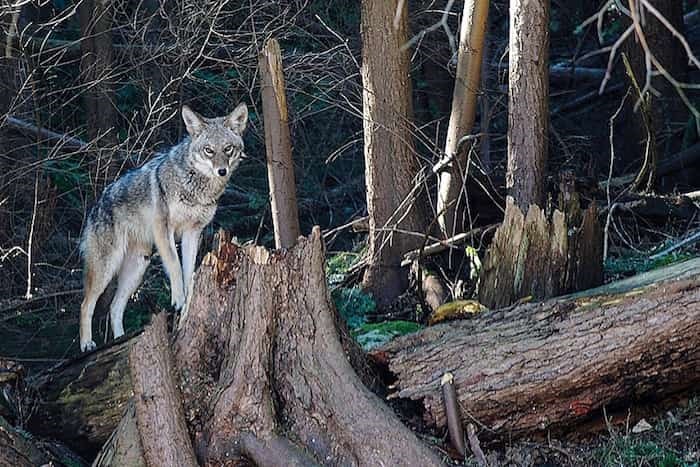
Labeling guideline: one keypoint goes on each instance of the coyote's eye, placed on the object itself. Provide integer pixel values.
(209, 151)
(228, 149)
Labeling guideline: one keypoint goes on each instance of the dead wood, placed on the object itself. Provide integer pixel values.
(159, 414)
(82, 401)
(263, 374)
(19, 449)
(533, 256)
(550, 366)
(280, 166)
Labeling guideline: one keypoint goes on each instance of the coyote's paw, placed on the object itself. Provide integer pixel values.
(86, 346)
(177, 299)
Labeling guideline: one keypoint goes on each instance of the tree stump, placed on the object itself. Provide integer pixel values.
(263, 374)
(532, 256)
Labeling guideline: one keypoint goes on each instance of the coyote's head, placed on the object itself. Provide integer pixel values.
(216, 146)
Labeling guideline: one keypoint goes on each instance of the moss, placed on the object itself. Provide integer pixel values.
(374, 335)
(353, 305)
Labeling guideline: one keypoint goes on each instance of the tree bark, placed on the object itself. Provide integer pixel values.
(464, 104)
(95, 17)
(528, 99)
(82, 401)
(263, 374)
(280, 165)
(533, 256)
(159, 414)
(390, 161)
(549, 366)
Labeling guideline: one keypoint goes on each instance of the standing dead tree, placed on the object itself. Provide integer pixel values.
(280, 166)
(531, 255)
(464, 104)
(390, 161)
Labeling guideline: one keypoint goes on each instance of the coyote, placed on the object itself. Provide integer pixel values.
(173, 196)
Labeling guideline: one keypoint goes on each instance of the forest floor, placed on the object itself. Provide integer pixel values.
(669, 439)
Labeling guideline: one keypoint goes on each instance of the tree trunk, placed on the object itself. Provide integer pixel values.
(390, 161)
(549, 366)
(96, 66)
(464, 103)
(251, 356)
(83, 400)
(528, 100)
(280, 166)
(159, 415)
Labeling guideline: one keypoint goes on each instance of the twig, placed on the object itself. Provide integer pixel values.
(66, 141)
(442, 245)
(689, 239)
(476, 446)
(610, 172)
(454, 420)
(348, 225)
(28, 293)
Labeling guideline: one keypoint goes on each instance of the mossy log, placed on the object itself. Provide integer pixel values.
(81, 401)
(549, 366)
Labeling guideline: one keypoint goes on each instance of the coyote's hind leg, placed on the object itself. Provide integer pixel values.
(99, 271)
(130, 274)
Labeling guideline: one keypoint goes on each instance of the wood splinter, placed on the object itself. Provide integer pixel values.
(454, 420)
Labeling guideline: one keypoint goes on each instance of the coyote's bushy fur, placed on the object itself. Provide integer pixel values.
(172, 197)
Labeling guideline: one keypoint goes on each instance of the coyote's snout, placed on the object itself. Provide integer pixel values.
(172, 197)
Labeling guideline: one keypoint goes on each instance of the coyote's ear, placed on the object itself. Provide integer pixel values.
(238, 119)
(193, 121)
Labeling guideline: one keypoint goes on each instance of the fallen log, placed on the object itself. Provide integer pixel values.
(82, 401)
(549, 366)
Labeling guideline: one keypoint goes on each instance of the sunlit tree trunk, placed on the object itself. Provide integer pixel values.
(528, 96)
(464, 104)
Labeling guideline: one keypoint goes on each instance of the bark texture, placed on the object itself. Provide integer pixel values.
(464, 104)
(551, 365)
(533, 256)
(528, 99)
(390, 161)
(159, 414)
(280, 165)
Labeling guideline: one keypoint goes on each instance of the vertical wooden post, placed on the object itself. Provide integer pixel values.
(280, 166)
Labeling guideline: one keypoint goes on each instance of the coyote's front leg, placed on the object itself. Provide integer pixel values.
(165, 243)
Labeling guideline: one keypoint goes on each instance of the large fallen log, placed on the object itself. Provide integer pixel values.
(546, 367)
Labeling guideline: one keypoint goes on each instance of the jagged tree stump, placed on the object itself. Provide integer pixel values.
(262, 371)
(533, 256)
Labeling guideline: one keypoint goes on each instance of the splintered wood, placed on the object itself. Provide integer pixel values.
(532, 256)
